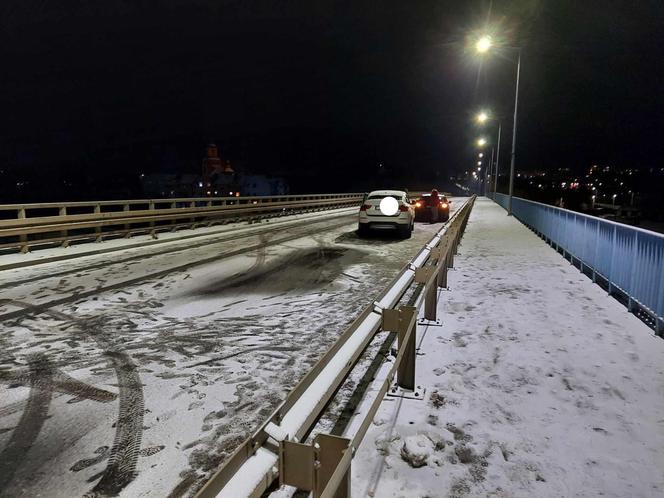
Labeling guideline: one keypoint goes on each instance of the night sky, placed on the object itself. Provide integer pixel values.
(95, 93)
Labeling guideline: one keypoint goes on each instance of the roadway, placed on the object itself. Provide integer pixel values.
(137, 372)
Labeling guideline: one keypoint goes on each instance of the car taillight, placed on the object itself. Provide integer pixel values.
(364, 207)
(403, 208)
(418, 204)
(443, 205)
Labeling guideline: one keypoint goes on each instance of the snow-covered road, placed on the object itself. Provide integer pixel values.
(149, 373)
(538, 385)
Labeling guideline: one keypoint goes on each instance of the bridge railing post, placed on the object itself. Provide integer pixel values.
(97, 210)
(23, 239)
(62, 211)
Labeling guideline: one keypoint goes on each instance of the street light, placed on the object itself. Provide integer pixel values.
(481, 142)
(482, 117)
(479, 163)
(482, 46)
(481, 155)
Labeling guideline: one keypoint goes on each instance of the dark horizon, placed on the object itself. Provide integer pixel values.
(321, 94)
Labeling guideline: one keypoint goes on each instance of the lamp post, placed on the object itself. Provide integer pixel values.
(487, 181)
(495, 180)
(482, 46)
(513, 155)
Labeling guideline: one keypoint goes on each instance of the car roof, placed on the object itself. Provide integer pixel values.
(387, 192)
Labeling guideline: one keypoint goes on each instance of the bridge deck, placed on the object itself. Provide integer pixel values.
(538, 384)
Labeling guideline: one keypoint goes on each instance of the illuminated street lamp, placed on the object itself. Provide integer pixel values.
(481, 142)
(483, 44)
(482, 117)
(481, 155)
(479, 163)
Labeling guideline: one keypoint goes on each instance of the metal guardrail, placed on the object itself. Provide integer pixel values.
(323, 466)
(629, 259)
(23, 226)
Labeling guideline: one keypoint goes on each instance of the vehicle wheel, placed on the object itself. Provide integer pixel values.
(362, 230)
(405, 232)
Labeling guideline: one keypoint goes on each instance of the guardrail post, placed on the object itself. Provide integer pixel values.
(127, 226)
(192, 204)
(399, 321)
(452, 250)
(331, 450)
(442, 263)
(406, 371)
(62, 211)
(173, 221)
(98, 236)
(23, 239)
(153, 232)
(425, 275)
(310, 467)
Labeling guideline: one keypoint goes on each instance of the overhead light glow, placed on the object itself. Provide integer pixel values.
(483, 44)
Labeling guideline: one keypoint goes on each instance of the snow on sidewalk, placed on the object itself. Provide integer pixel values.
(538, 385)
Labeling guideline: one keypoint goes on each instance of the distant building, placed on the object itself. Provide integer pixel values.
(217, 179)
(262, 185)
(170, 185)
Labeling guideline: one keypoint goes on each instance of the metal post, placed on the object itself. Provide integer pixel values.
(23, 239)
(516, 103)
(406, 369)
(153, 232)
(127, 226)
(64, 233)
(495, 180)
(98, 236)
(487, 175)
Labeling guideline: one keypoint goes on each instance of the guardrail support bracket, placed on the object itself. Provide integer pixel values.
(310, 467)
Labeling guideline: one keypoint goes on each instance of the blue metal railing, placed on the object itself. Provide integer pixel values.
(630, 259)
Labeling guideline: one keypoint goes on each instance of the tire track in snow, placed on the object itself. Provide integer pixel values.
(32, 419)
(121, 467)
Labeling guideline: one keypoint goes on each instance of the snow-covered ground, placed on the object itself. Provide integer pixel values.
(149, 374)
(538, 385)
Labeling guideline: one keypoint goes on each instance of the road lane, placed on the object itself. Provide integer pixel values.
(192, 360)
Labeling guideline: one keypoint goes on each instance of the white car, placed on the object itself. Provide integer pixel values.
(387, 210)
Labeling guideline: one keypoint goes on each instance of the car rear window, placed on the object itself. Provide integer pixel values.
(383, 197)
